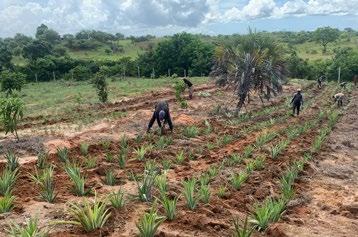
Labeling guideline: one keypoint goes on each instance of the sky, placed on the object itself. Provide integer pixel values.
(166, 17)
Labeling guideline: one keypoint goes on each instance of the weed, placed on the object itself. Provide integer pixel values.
(149, 223)
(45, 180)
(169, 206)
(204, 193)
(90, 162)
(6, 203)
(242, 230)
(42, 159)
(222, 191)
(31, 229)
(91, 215)
(180, 158)
(117, 199)
(238, 179)
(84, 149)
(191, 131)
(62, 154)
(189, 189)
(74, 172)
(7, 181)
(110, 178)
(12, 162)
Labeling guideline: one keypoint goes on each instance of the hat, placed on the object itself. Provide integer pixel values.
(299, 89)
(161, 115)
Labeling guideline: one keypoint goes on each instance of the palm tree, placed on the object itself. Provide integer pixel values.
(254, 65)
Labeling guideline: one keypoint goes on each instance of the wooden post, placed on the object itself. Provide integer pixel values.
(138, 72)
(169, 72)
(339, 75)
(72, 75)
(36, 77)
(184, 73)
(54, 75)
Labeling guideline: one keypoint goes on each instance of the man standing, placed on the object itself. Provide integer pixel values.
(190, 87)
(297, 102)
(319, 82)
(162, 115)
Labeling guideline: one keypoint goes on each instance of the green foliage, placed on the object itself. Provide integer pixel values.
(122, 158)
(42, 159)
(149, 223)
(31, 229)
(91, 215)
(109, 157)
(169, 206)
(277, 149)
(84, 149)
(238, 179)
(248, 151)
(325, 35)
(204, 179)
(145, 187)
(62, 154)
(74, 172)
(6, 203)
(189, 193)
(12, 161)
(180, 158)
(7, 181)
(140, 152)
(166, 164)
(163, 142)
(264, 138)
(91, 162)
(150, 166)
(106, 144)
(101, 86)
(45, 180)
(191, 131)
(161, 183)
(11, 81)
(242, 229)
(204, 193)
(117, 199)
(208, 127)
(110, 178)
(225, 139)
(213, 171)
(11, 112)
(222, 191)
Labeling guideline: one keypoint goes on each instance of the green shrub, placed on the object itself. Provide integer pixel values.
(101, 87)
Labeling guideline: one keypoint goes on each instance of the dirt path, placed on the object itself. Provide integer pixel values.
(327, 199)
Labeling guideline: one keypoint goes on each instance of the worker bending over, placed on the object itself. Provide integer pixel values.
(189, 86)
(339, 99)
(162, 115)
(297, 102)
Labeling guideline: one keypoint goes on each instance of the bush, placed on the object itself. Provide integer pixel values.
(11, 81)
(101, 86)
(81, 73)
(11, 111)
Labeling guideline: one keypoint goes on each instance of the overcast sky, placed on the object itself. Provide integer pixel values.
(163, 17)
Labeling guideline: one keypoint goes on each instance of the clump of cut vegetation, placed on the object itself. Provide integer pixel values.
(191, 131)
(149, 223)
(117, 199)
(90, 215)
(30, 229)
(12, 161)
(169, 206)
(45, 180)
(189, 193)
(62, 154)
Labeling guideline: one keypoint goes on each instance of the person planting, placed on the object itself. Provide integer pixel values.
(189, 85)
(162, 115)
(339, 99)
(297, 102)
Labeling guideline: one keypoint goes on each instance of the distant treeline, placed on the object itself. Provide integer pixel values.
(182, 54)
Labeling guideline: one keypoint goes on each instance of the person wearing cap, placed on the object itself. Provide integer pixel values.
(339, 99)
(189, 84)
(297, 102)
(162, 115)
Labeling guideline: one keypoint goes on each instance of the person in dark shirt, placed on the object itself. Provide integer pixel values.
(162, 115)
(297, 102)
(190, 87)
(319, 81)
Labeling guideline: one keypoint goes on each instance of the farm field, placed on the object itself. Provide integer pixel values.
(235, 165)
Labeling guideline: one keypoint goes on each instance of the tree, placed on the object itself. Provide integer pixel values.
(5, 56)
(37, 49)
(11, 81)
(11, 111)
(325, 35)
(255, 64)
(81, 73)
(101, 86)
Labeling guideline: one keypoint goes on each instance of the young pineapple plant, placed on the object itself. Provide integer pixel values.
(222, 191)
(166, 164)
(106, 144)
(122, 158)
(161, 183)
(74, 172)
(12, 161)
(169, 206)
(242, 229)
(145, 187)
(7, 181)
(238, 179)
(90, 162)
(276, 150)
(110, 178)
(149, 223)
(140, 152)
(264, 138)
(189, 193)
(248, 152)
(84, 149)
(109, 157)
(62, 154)
(191, 131)
(42, 159)
(204, 193)
(45, 180)
(116, 199)
(6, 203)
(208, 127)
(30, 229)
(163, 142)
(91, 215)
(179, 159)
